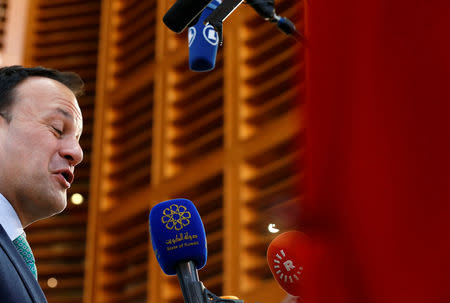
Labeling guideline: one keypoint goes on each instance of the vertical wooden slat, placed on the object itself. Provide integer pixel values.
(126, 152)
(232, 215)
(92, 267)
(15, 31)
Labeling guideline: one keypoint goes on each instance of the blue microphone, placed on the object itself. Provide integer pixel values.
(203, 42)
(179, 242)
(177, 234)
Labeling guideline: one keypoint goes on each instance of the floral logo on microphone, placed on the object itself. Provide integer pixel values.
(176, 217)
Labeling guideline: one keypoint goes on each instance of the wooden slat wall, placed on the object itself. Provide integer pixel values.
(117, 267)
(132, 38)
(270, 73)
(129, 140)
(124, 258)
(224, 139)
(64, 35)
(194, 115)
(272, 79)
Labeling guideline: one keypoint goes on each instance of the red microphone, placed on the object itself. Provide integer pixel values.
(286, 260)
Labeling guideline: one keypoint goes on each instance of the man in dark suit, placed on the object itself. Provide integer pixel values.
(40, 128)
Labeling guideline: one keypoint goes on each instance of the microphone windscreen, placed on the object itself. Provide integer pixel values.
(286, 255)
(181, 14)
(203, 42)
(177, 234)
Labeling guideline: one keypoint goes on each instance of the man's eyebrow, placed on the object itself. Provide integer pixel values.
(67, 115)
(64, 113)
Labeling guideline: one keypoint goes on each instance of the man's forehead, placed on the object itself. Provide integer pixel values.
(45, 88)
(69, 108)
(48, 95)
(68, 114)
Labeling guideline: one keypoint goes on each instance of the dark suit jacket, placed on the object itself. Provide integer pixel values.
(17, 283)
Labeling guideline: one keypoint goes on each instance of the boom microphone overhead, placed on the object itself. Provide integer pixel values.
(186, 13)
(183, 13)
(266, 9)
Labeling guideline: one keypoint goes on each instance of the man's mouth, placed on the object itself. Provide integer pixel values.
(68, 176)
(65, 177)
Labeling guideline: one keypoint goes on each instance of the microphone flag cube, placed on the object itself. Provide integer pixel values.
(203, 42)
(286, 255)
(177, 234)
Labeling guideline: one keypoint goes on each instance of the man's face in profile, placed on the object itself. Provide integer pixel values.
(39, 148)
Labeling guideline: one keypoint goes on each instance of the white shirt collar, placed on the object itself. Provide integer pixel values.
(9, 219)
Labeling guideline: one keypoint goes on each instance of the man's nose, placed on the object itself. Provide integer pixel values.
(72, 151)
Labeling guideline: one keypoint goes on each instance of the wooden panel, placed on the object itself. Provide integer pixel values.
(263, 154)
(119, 251)
(124, 258)
(195, 115)
(270, 195)
(132, 38)
(271, 73)
(129, 51)
(129, 142)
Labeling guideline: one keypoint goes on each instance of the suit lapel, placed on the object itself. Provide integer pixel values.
(25, 274)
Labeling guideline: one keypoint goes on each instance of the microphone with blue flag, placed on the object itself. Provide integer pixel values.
(179, 243)
(203, 42)
(177, 234)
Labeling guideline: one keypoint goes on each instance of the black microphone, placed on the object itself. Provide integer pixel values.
(183, 13)
(286, 26)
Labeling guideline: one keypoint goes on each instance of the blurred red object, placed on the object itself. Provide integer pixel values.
(378, 151)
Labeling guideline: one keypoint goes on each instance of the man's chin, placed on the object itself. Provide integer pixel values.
(60, 206)
(49, 212)
(57, 205)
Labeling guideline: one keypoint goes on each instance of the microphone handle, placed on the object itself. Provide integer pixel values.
(191, 287)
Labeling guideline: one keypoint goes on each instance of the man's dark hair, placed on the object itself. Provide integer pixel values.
(11, 76)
